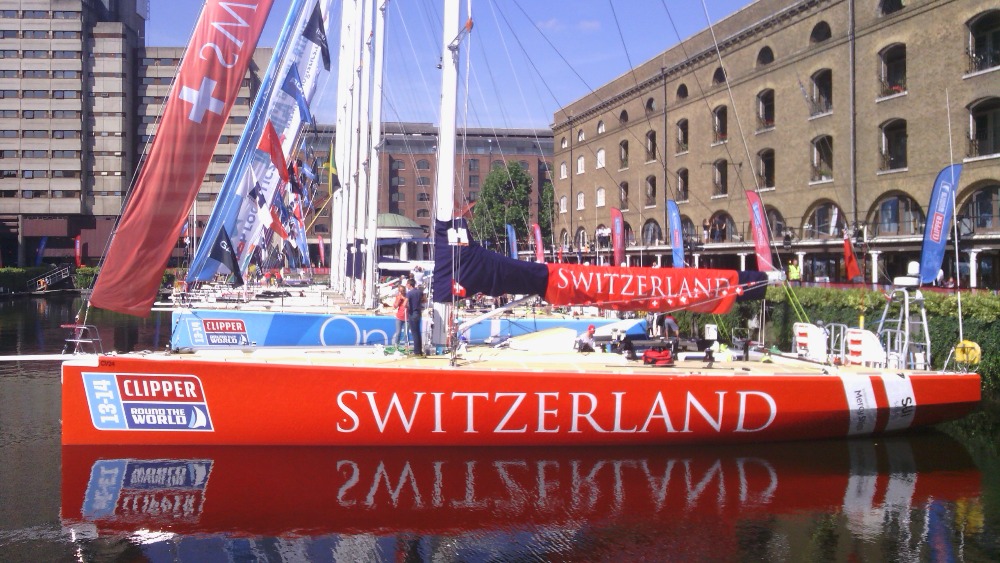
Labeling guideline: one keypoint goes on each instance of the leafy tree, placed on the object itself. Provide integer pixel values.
(504, 197)
(546, 212)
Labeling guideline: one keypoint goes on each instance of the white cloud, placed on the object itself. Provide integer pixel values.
(589, 25)
(552, 24)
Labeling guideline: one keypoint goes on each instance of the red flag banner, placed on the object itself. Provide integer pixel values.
(276, 225)
(851, 262)
(539, 247)
(322, 251)
(759, 228)
(203, 94)
(270, 143)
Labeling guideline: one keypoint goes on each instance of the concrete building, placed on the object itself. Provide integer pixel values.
(838, 112)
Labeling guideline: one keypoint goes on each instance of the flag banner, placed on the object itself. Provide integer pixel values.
(322, 251)
(511, 240)
(271, 144)
(331, 166)
(225, 254)
(315, 31)
(78, 251)
(676, 233)
(293, 87)
(276, 225)
(851, 267)
(760, 230)
(938, 222)
(539, 247)
(235, 212)
(618, 236)
(194, 115)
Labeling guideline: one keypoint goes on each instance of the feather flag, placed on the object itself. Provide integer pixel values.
(271, 144)
(759, 227)
(223, 251)
(676, 233)
(293, 87)
(938, 222)
(618, 236)
(316, 33)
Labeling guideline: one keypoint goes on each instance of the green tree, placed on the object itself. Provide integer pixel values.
(504, 197)
(546, 212)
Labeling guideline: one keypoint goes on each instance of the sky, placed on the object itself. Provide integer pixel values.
(559, 51)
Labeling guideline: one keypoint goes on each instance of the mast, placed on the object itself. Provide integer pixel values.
(338, 215)
(361, 282)
(444, 186)
(371, 235)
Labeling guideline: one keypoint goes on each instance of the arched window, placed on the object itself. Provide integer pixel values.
(563, 207)
(822, 159)
(581, 237)
(423, 164)
(579, 200)
(984, 116)
(886, 7)
(822, 92)
(720, 124)
(650, 105)
(650, 146)
(720, 177)
(623, 117)
(564, 239)
(563, 143)
(651, 233)
(688, 229)
(581, 165)
(719, 76)
(563, 172)
(775, 222)
(682, 92)
(623, 195)
(897, 215)
(820, 33)
(893, 70)
(765, 110)
(580, 136)
(600, 158)
(623, 155)
(893, 141)
(682, 136)
(650, 191)
(682, 185)
(600, 197)
(723, 228)
(765, 168)
(824, 221)
(984, 41)
(765, 56)
(600, 127)
(983, 208)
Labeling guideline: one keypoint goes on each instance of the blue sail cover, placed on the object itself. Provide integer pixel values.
(252, 184)
(938, 222)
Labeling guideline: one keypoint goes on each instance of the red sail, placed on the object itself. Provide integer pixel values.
(650, 289)
(196, 111)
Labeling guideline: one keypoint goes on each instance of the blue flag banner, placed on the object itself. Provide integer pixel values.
(938, 222)
(676, 232)
(512, 241)
(293, 87)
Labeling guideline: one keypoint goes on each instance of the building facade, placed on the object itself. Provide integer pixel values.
(837, 112)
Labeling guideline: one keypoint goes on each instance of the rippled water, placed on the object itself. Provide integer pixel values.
(919, 497)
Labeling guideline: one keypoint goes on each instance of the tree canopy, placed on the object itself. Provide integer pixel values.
(504, 197)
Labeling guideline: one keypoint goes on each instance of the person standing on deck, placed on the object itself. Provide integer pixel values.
(414, 308)
(400, 306)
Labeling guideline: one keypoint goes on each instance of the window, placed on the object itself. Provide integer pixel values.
(720, 124)
(423, 181)
(682, 185)
(562, 171)
(581, 238)
(57, 34)
(580, 136)
(650, 191)
(984, 136)
(682, 92)
(473, 165)
(600, 127)
(893, 70)
(820, 33)
(34, 134)
(35, 94)
(623, 155)
(397, 197)
(982, 207)
(8, 73)
(720, 178)
(600, 197)
(822, 159)
(562, 205)
(66, 55)
(563, 143)
(423, 164)
(765, 168)
(765, 110)
(623, 117)
(898, 215)
(36, 74)
(65, 15)
(423, 196)
(893, 153)
(65, 173)
(719, 76)
(65, 134)
(682, 136)
(474, 181)
(886, 7)
(8, 153)
(580, 165)
(651, 233)
(775, 222)
(35, 114)
(650, 105)
(765, 56)
(650, 146)
(579, 200)
(823, 221)
(8, 133)
(423, 214)
(8, 53)
(29, 174)
(35, 34)
(34, 154)
(822, 92)
(34, 54)
(8, 113)
(623, 195)
(397, 164)
(397, 181)
(984, 41)
(600, 158)
(65, 154)
(66, 94)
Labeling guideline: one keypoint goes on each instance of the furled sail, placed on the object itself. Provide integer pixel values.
(202, 96)
(266, 190)
(479, 270)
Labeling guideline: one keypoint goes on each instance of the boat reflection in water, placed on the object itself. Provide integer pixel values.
(288, 503)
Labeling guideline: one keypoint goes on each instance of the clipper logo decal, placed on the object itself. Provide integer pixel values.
(129, 489)
(219, 332)
(146, 402)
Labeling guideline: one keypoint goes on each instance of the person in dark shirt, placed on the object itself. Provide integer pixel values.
(414, 308)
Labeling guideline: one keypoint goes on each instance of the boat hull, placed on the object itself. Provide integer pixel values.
(567, 400)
